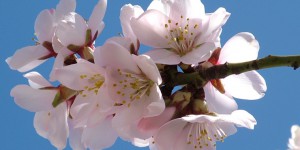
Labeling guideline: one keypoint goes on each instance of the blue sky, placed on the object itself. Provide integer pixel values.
(274, 23)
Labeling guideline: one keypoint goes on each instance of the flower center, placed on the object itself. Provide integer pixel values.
(205, 135)
(181, 36)
(131, 87)
(95, 82)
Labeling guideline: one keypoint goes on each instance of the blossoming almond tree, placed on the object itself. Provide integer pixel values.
(177, 96)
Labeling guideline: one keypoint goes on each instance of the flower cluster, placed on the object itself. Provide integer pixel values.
(153, 99)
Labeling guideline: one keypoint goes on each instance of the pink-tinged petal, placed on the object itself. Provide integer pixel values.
(127, 12)
(75, 136)
(160, 5)
(125, 122)
(187, 9)
(244, 119)
(90, 109)
(218, 102)
(163, 56)
(228, 128)
(36, 80)
(78, 76)
(123, 41)
(53, 125)
(249, 85)
(151, 125)
(72, 30)
(215, 22)
(63, 8)
(149, 32)
(100, 136)
(170, 134)
(113, 55)
(59, 62)
(56, 44)
(80, 110)
(95, 20)
(199, 54)
(33, 99)
(241, 47)
(156, 103)
(182, 140)
(27, 58)
(44, 26)
(148, 67)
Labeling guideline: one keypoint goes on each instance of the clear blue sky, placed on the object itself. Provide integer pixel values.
(276, 25)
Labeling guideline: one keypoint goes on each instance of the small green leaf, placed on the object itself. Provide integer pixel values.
(62, 95)
(88, 36)
(57, 99)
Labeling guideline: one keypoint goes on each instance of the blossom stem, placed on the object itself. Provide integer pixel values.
(202, 75)
(224, 70)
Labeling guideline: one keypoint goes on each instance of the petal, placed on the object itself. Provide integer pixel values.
(81, 110)
(148, 67)
(27, 58)
(163, 56)
(249, 85)
(218, 102)
(100, 136)
(36, 80)
(63, 8)
(75, 136)
(44, 26)
(150, 125)
(127, 12)
(125, 42)
(116, 56)
(241, 47)
(215, 21)
(72, 30)
(187, 9)
(199, 54)
(169, 134)
(56, 44)
(53, 125)
(244, 119)
(156, 104)
(125, 122)
(149, 32)
(78, 76)
(90, 109)
(160, 5)
(32, 99)
(95, 20)
(59, 62)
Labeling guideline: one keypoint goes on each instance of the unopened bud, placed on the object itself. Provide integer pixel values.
(200, 106)
(181, 99)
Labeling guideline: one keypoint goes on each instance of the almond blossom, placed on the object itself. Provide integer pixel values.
(249, 85)
(127, 13)
(49, 122)
(181, 32)
(201, 131)
(74, 35)
(30, 57)
(91, 109)
(294, 141)
(132, 83)
(78, 35)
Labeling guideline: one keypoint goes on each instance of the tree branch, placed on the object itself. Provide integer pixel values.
(202, 75)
